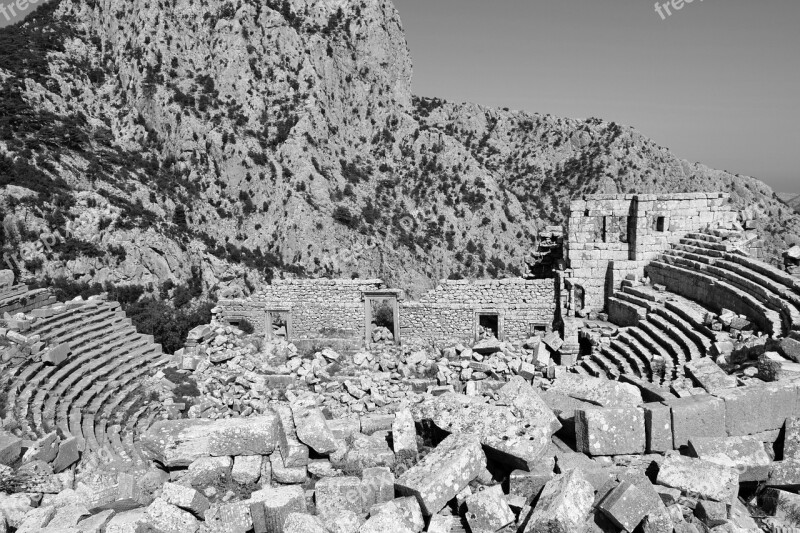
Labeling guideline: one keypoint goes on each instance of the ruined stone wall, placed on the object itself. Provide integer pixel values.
(611, 236)
(316, 306)
(450, 310)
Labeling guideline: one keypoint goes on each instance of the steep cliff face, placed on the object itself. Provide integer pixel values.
(255, 138)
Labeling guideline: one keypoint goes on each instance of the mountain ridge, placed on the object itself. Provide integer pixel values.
(254, 140)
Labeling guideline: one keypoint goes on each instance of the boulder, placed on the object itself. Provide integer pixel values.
(180, 442)
(377, 486)
(407, 510)
(285, 474)
(313, 431)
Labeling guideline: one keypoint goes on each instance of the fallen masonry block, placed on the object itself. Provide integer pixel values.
(333, 494)
(500, 429)
(443, 473)
(784, 474)
(294, 452)
(529, 485)
(626, 505)
(285, 474)
(658, 427)
(269, 507)
(442, 523)
(36, 520)
(170, 519)
(709, 375)
(344, 427)
(57, 354)
(372, 423)
(758, 408)
(246, 468)
(68, 454)
(790, 348)
(520, 395)
(712, 514)
(602, 392)
(695, 476)
(404, 434)
(179, 442)
(610, 431)
(388, 520)
(377, 486)
(487, 511)
(696, 416)
(344, 522)
(406, 509)
(313, 431)
(303, 523)
(10, 448)
(96, 523)
(773, 367)
(186, 498)
(745, 454)
(563, 505)
(785, 506)
(553, 341)
(44, 449)
(363, 452)
(209, 470)
(791, 443)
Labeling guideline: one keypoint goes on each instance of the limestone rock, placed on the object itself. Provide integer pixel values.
(487, 511)
(269, 507)
(170, 519)
(610, 431)
(333, 494)
(186, 498)
(695, 476)
(598, 391)
(246, 468)
(563, 505)
(179, 442)
(312, 430)
(404, 434)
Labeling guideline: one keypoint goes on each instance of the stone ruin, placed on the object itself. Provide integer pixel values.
(651, 384)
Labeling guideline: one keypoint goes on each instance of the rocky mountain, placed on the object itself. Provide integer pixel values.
(791, 199)
(148, 139)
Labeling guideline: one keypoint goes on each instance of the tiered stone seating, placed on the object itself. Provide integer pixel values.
(663, 331)
(19, 299)
(95, 394)
(709, 268)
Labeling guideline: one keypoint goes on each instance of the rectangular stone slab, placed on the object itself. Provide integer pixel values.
(699, 478)
(443, 473)
(610, 431)
(757, 408)
(180, 442)
(697, 416)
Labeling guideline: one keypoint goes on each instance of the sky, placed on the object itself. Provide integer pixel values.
(717, 81)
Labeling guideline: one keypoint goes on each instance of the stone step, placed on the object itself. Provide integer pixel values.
(645, 293)
(645, 355)
(609, 368)
(633, 358)
(717, 246)
(66, 315)
(714, 293)
(704, 237)
(619, 360)
(677, 329)
(73, 328)
(765, 269)
(772, 294)
(592, 368)
(697, 250)
(702, 342)
(646, 340)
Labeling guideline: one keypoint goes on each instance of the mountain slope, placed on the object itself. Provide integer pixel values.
(254, 139)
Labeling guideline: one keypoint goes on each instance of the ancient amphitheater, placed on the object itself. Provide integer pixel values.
(649, 381)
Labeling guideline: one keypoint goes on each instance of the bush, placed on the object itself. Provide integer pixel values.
(246, 327)
(383, 315)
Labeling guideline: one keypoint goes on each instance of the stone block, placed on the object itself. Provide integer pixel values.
(179, 442)
(294, 452)
(287, 475)
(700, 478)
(44, 449)
(372, 423)
(377, 485)
(745, 454)
(209, 470)
(170, 519)
(487, 511)
(344, 427)
(610, 431)
(68, 454)
(407, 511)
(564, 504)
(758, 408)
(10, 448)
(303, 523)
(313, 431)
(791, 444)
(599, 391)
(186, 498)
(785, 474)
(270, 506)
(336, 493)
(522, 396)
(56, 354)
(364, 452)
(388, 520)
(442, 523)
(443, 473)
(529, 485)
(711, 513)
(246, 469)
(626, 505)
(96, 523)
(404, 434)
(707, 374)
(658, 427)
(790, 349)
(696, 416)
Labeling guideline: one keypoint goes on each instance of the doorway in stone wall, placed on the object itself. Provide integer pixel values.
(488, 325)
(382, 314)
(279, 324)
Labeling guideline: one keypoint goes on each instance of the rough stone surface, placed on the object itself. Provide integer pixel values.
(338, 493)
(179, 442)
(246, 468)
(443, 473)
(791, 443)
(697, 416)
(313, 430)
(207, 470)
(695, 476)
(563, 505)
(10, 448)
(303, 523)
(487, 511)
(745, 454)
(286, 475)
(377, 485)
(68, 454)
(270, 506)
(294, 452)
(626, 505)
(170, 519)
(757, 408)
(406, 509)
(709, 375)
(599, 391)
(658, 427)
(186, 498)
(610, 431)
(404, 434)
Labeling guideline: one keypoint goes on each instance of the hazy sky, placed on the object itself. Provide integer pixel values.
(717, 81)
